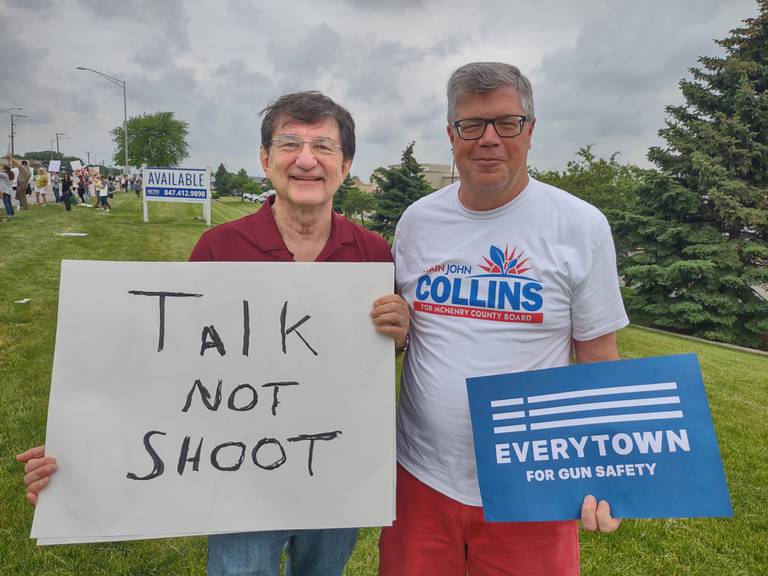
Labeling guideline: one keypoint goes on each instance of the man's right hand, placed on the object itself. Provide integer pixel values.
(37, 471)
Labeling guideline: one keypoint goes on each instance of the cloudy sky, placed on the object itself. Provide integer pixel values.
(602, 70)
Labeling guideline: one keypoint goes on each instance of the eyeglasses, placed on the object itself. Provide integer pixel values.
(506, 126)
(292, 144)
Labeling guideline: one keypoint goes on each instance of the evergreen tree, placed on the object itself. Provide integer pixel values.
(221, 178)
(700, 232)
(399, 187)
(341, 194)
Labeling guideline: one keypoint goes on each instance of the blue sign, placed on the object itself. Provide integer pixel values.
(637, 433)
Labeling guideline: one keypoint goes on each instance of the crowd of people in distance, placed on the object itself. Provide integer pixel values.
(21, 186)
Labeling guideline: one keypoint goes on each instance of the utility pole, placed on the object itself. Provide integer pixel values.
(10, 112)
(13, 126)
(58, 154)
(89, 158)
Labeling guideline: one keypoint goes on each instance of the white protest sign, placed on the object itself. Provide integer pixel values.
(54, 165)
(75, 165)
(218, 397)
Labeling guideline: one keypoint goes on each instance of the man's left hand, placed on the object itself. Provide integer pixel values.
(596, 517)
(391, 318)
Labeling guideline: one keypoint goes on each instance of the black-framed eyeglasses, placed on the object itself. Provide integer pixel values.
(507, 126)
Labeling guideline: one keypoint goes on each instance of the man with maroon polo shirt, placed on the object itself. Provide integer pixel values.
(307, 147)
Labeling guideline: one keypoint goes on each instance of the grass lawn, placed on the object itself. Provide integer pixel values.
(737, 385)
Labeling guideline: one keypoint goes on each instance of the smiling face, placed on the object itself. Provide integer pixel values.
(303, 180)
(493, 170)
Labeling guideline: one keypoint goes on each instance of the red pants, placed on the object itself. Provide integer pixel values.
(434, 535)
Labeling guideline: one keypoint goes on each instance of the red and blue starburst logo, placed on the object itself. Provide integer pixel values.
(503, 293)
(505, 263)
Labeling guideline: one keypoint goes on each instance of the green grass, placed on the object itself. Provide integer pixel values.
(737, 385)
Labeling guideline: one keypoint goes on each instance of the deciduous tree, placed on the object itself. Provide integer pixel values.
(606, 184)
(358, 202)
(156, 139)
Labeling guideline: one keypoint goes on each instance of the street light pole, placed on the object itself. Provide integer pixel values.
(117, 82)
(125, 131)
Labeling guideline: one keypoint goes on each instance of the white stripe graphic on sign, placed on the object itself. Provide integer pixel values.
(607, 419)
(505, 429)
(509, 415)
(604, 405)
(507, 402)
(602, 391)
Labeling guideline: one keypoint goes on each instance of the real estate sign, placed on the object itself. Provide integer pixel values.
(177, 185)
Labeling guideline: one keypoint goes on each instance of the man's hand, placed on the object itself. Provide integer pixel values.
(597, 517)
(37, 469)
(391, 318)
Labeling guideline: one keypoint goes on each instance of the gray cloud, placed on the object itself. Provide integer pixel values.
(602, 70)
(167, 18)
(390, 6)
(302, 64)
(31, 5)
(611, 87)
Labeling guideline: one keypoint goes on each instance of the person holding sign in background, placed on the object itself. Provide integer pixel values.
(503, 274)
(22, 180)
(41, 185)
(307, 147)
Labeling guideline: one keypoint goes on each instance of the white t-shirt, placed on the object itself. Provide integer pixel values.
(505, 290)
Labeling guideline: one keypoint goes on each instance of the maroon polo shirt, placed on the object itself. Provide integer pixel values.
(256, 238)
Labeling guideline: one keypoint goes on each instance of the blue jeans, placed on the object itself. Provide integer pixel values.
(308, 552)
(8, 204)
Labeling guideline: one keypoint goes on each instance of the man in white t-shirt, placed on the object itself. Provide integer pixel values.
(502, 274)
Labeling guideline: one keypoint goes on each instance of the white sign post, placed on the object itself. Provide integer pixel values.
(177, 185)
(218, 397)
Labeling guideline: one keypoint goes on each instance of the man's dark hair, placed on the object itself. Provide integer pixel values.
(308, 107)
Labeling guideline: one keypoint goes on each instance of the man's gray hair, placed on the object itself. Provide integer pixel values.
(481, 77)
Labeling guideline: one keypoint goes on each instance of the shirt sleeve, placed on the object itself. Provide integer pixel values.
(597, 308)
(202, 251)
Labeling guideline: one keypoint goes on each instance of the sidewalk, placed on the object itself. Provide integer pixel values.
(694, 338)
